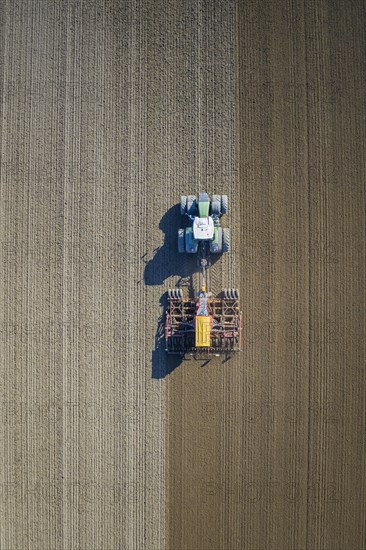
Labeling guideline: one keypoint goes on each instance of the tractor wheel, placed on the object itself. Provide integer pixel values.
(183, 205)
(191, 205)
(181, 241)
(225, 239)
(216, 205)
(224, 204)
(170, 293)
(236, 294)
(219, 240)
(179, 293)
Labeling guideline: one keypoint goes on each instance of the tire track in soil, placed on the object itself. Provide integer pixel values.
(195, 439)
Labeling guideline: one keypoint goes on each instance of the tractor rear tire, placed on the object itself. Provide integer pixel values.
(219, 239)
(224, 204)
(225, 239)
(216, 205)
(183, 204)
(181, 241)
(191, 205)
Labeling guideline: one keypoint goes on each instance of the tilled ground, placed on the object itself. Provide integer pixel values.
(267, 449)
(110, 111)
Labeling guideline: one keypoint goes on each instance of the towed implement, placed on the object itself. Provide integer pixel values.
(205, 325)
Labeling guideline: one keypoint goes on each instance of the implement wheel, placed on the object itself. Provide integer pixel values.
(231, 294)
(175, 293)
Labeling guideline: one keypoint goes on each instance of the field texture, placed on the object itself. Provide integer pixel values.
(110, 110)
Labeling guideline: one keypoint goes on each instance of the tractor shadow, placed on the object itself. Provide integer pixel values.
(167, 262)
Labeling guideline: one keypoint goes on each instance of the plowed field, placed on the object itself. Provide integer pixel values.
(110, 110)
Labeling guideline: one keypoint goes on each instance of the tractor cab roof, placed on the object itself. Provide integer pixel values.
(203, 228)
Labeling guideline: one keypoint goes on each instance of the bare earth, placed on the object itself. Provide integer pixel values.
(110, 110)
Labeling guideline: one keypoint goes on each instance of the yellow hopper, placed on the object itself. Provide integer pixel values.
(203, 325)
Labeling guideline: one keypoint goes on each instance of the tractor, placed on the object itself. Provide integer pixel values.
(205, 325)
(204, 230)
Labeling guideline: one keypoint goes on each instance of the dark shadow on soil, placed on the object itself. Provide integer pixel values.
(162, 363)
(167, 262)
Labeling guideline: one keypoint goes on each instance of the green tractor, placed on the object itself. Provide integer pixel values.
(204, 234)
(203, 325)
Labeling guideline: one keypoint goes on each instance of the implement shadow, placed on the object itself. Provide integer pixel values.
(162, 363)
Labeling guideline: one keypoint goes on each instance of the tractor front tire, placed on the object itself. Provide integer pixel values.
(216, 205)
(224, 204)
(183, 205)
(191, 205)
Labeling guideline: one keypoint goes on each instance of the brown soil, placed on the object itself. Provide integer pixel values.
(266, 451)
(110, 110)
